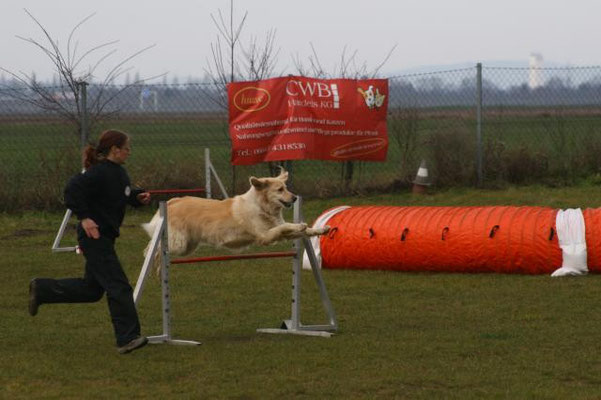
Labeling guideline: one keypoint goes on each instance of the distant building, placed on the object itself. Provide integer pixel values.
(534, 78)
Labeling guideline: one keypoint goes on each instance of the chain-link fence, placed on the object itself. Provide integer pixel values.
(541, 125)
(474, 126)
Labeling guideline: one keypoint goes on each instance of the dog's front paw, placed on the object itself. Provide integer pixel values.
(325, 230)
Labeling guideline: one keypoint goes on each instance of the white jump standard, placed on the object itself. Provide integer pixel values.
(293, 325)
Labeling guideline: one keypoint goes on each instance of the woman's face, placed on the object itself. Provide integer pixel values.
(120, 154)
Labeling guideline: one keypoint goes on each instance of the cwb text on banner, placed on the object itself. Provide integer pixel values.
(296, 118)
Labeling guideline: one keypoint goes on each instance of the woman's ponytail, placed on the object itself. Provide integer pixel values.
(89, 157)
(94, 154)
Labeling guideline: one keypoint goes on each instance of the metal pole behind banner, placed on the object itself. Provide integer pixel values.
(84, 114)
(479, 166)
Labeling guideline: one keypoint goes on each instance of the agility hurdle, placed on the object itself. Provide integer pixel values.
(210, 172)
(293, 325)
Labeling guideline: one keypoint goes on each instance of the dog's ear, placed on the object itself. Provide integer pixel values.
(283, 174)
(257, 183)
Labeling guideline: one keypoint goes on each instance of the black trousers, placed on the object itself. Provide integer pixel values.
(103, 273)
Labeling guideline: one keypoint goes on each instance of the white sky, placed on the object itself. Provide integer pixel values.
(426, 32)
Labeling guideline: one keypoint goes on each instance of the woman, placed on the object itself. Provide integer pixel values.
(98, 197)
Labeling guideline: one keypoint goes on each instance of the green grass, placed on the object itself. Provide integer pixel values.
(169, 149)
(418, 336)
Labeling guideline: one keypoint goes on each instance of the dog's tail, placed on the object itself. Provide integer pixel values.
(150, 228)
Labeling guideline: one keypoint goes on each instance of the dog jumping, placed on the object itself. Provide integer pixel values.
(254, 217)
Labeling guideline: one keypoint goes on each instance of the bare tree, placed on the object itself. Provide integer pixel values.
(347, 67)
(232, 61)
(65, 98)
(260, 60)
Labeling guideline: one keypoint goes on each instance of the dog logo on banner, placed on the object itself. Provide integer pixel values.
(373, 100)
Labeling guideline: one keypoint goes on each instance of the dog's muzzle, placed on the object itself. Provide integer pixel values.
(288, 204)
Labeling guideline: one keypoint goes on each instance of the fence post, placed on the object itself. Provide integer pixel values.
(233, 180)
(84, 113)
(479, 124)
(347, 174)
(288, 166)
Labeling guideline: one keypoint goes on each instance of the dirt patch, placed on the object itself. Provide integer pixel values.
(25, 233)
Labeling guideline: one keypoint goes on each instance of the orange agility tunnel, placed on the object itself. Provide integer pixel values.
(501, 239)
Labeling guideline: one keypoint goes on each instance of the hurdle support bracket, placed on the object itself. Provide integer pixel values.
(293, 325)
(159, 242)
(59, 236)
(210, 171)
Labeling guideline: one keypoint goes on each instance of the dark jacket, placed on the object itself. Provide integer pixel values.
(102, 193)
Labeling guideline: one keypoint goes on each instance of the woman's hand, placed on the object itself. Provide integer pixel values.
(90, 227)
(143, 198)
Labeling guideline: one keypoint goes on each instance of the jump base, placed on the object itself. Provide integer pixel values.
(304, 330)
(164, 339)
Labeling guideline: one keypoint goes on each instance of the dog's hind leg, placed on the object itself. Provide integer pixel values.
(180, 243)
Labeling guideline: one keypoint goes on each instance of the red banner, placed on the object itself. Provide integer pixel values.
(295, 118)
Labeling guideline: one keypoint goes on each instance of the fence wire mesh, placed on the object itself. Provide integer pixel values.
(537, 125)
(541, 124)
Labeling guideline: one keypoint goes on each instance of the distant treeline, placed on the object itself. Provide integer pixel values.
(568, 87)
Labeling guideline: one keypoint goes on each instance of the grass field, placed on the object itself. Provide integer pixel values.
(168, 150)
(401, 336)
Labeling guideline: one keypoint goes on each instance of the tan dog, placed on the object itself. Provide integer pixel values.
(254, 217)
